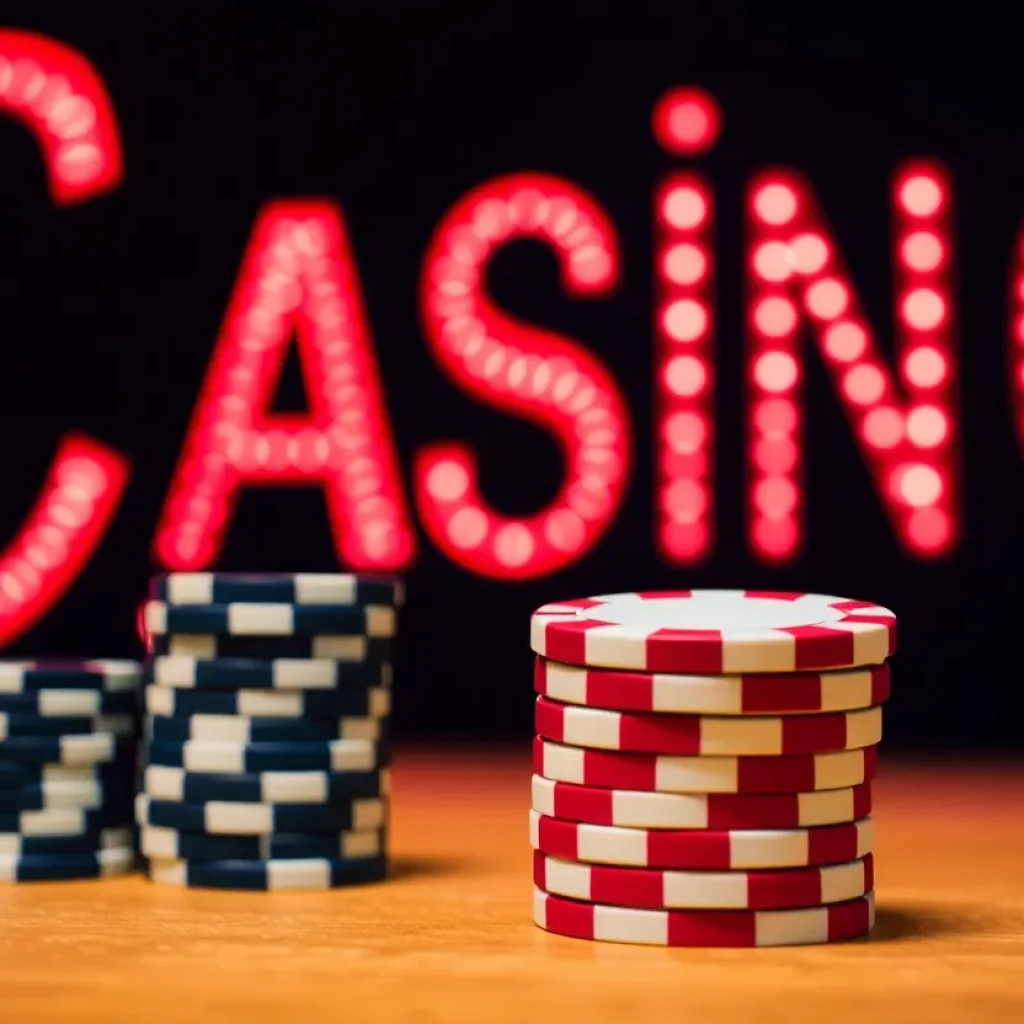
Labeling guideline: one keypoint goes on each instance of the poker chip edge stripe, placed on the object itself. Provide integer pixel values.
(707, 735)
(663, 889)
(311, 874)
(671, 773)
(645, 809)
(732, 928)
(695, 850)
(789, 693)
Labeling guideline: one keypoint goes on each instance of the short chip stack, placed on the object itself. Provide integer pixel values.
(68, 738)
(703, 766)
(266, 747)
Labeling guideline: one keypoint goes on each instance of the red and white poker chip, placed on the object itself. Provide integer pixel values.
(727, 850)
(836, 922)
(670, 773)
(765, 694)
(715, 631)
(656, 889)
(707, 735)
(630, 808)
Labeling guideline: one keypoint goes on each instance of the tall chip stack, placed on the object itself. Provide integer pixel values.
(266, 733)
(703, 766)
(68, 740)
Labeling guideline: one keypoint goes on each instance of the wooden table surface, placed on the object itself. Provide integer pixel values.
(449, 938)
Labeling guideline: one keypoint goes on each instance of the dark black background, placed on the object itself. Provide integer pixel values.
(110, 309)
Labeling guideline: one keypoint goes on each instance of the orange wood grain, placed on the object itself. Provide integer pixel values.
(449, 938)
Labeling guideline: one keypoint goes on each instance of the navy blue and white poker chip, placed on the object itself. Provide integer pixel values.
(238, 729)
(18, 774)
(13, 724)
(350, 702)
(103, 675)
(172, 844)
(268, 874)
(185, 673)
(288, 787)
(63, 821)
(209, 646)
(89, 748)
(237, 819)
(69, 703)
(66, 866)
(12, 844)
(84, 795)
(250, 619)
(202, 588)
(220, 756)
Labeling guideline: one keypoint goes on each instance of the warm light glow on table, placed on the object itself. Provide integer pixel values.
(450, 937)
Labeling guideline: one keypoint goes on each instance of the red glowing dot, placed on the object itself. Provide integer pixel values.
(685, 541)
(775, 538)
(773, 261)
(684, 208)
(468, 527)
(687, 121)
(684, 500)
(590, 264)
(1020, 288)
(776, 371)
(925, 367)
(810, 253)
(929, 529)
(684, 264)
(827, 299)
(514, 544)
(775, 317)
(921, 195)
(864, 384)
(927, 427)
(883, 427)
(685, 431)
(918, 485)
(685, 320)
(775, 456)
(922, 251)
(845, 342)
(775, 417)
(775, 203)
(775, 497)
(448, 481)
(685, 376)
(923, 309)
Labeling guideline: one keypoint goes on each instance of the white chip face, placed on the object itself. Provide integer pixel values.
(730, 610)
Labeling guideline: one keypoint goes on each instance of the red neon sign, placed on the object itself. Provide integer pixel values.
(905, 431)
(299, 274)
(686, 122)
(525, 371)
(58, 96)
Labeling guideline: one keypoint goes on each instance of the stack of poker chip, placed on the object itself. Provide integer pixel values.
(265, 738)
(703, 766)
(68, 736)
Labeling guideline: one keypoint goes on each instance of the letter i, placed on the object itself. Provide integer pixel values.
(686, 122)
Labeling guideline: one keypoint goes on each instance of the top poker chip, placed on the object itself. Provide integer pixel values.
(104, 676)
(204, 588)
(248, 618)
(715, 631)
